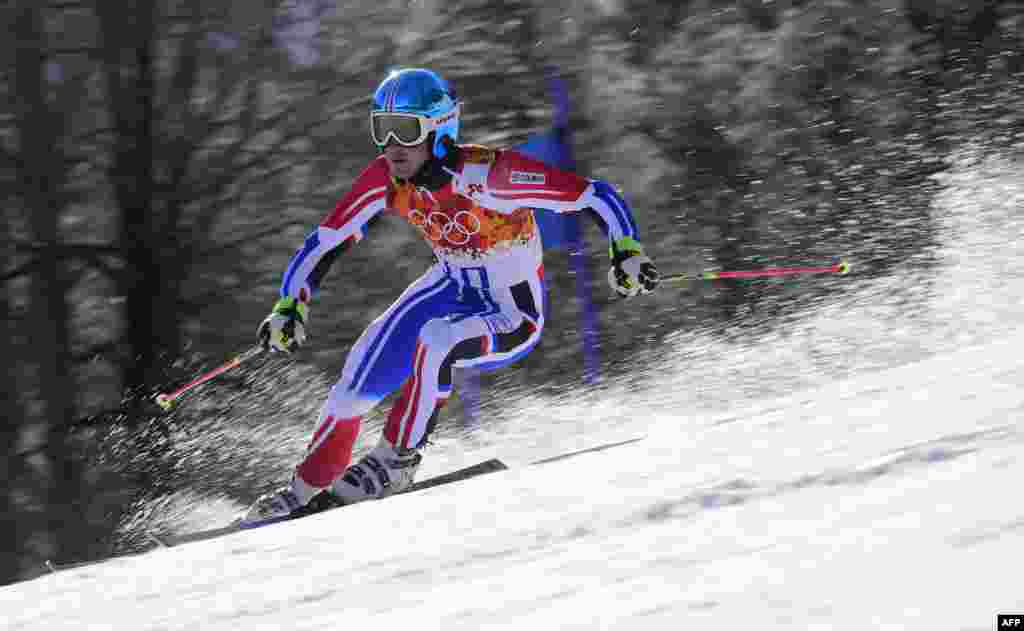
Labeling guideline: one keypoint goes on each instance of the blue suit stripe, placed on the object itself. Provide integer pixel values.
(623, 214)
(505, 361)
(311, 244)
(385, 331)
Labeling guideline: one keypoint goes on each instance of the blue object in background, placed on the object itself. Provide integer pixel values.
(552, 148)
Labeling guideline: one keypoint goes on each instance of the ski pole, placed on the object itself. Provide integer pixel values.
(169, 400)
(842, 267)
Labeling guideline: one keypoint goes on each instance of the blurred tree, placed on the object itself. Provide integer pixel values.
(647, 25)
(818, 114)
(694, 85)
(14, 532)
(965, 55)
(488, 50)
(135, 130)
(41, 172)
(14, 416)
(213, 107)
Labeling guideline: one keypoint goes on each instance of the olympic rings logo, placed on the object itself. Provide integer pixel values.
(456, 230)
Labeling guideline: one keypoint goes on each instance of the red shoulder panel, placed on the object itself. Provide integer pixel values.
(514, 176)
(371, 185)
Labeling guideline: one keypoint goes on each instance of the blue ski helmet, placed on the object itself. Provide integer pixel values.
(424, 93)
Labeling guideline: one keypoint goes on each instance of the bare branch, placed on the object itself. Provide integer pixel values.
(97, 350)
(69, 5)
(109, 416)
(88, 51)
(95, 254)
(22, 270)
(90, 135)
(75, 248)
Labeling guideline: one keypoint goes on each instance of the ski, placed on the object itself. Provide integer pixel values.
(320, 504)
(169, 541)
(487, 466)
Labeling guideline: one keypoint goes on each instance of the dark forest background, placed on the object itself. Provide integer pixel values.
(160, 160)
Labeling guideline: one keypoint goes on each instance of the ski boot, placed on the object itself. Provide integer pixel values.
(278, 505)
(382, 472)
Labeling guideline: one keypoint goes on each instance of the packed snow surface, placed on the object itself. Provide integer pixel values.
(884, 501)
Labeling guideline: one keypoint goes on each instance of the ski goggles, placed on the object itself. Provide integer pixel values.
(406, 129)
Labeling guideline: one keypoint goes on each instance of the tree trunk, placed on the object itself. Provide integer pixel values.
(129, 40)
(39, 164)
(13, 530)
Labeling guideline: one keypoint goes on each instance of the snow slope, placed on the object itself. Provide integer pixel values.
(883, 501)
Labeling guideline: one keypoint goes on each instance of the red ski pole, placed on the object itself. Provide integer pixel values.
(842, 267)
(169, 400)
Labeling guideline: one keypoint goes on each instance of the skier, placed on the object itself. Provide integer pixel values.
(480, 304)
